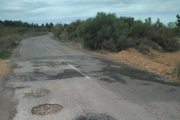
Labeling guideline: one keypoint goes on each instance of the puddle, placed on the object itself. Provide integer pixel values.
(94, 116)
(46, 109)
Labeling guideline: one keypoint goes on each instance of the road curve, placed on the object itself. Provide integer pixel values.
(49, 72)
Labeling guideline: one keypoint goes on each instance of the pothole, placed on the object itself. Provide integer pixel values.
(94, 116)
(46, 109)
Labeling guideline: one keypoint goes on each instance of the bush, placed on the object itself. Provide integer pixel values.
(155, 46)
(95, 31)
(109, 46)
(143, 48)
(141, 30)
(4, 54)
(139, 44)
(170, 45)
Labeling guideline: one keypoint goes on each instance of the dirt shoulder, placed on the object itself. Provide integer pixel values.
(162, 63)
(7, 104)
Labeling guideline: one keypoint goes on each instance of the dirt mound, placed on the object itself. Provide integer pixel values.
(154, 61)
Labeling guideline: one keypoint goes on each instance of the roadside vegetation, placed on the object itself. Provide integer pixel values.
(12, 32)
(114, 34)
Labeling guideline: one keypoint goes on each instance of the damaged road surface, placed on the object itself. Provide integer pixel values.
(55, 82)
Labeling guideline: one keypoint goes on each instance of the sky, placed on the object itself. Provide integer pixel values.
(66, 11)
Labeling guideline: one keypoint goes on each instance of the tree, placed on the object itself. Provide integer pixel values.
(128, 20)
(58, 29)
(158, 24)
(171, 25)
(42, 25)
(47, 25)
(51, 25)
(148, 21)
(178, 21)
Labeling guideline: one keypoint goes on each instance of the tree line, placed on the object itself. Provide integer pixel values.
(112, 33)
(19, 23)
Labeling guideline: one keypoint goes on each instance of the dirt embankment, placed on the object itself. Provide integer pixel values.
(164, 63)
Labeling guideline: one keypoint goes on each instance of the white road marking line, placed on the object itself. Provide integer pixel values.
(78, 71)
(48, 48)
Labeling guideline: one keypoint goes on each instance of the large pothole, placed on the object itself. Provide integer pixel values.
(46, 109)
(94, 116)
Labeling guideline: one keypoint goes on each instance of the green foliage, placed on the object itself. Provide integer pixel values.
(170, 45)
(159, 24)
(141, 30)
(140, 44)
(4, 54)
(95, 31)
(109, 45)
(122, 28)
(57, 29)
(128, 20)
(71, 29)
(143, 48)
(108, 32)
(178, 20)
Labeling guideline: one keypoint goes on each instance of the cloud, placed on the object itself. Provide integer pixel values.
(42, 11)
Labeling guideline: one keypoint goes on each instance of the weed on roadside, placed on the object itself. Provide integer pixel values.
(4, 54)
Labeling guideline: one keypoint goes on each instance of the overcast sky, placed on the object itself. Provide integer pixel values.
(66, 11)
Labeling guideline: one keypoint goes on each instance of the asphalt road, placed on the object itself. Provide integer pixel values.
(84, 84)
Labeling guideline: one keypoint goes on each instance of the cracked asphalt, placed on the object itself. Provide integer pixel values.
(48, 72)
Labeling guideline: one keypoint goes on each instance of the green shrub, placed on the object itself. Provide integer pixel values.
(4, 54)
(143, 48)
(141, 30)
(95, 31)
(172, 45)
(109, 46)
